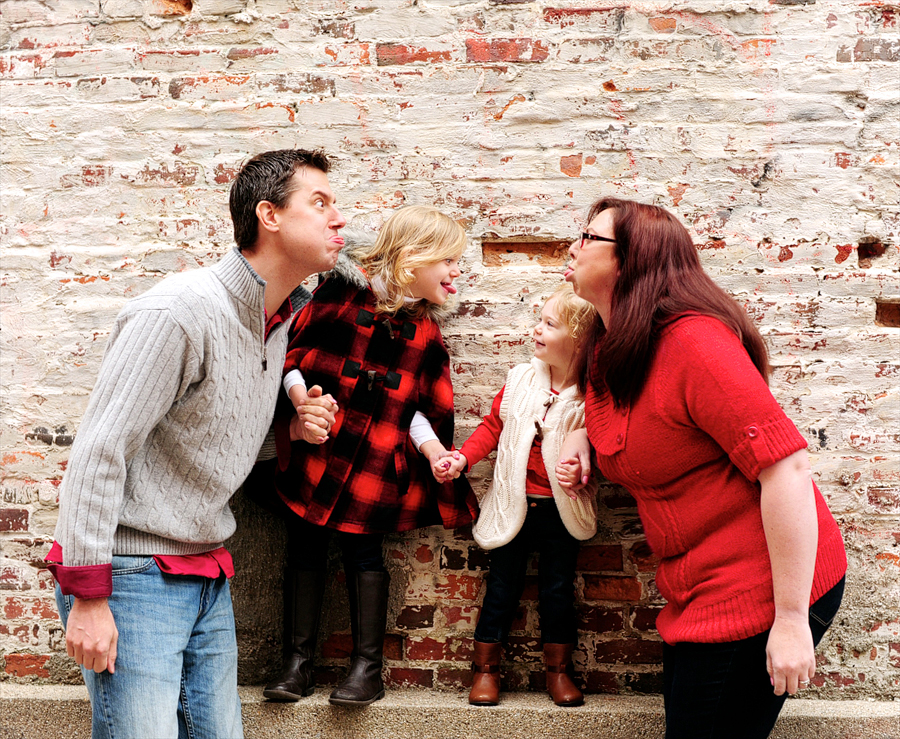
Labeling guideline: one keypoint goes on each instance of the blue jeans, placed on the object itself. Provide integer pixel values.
(176, 668)
(544, 532)
(722, 691)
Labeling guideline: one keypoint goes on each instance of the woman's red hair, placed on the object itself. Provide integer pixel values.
(660, 278)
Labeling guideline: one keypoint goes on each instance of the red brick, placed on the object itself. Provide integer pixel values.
(452, 559)
(522, 649)
(242, 53)
(598, 557)
(425, 648)
(16, 607)
(464, 587)
(13, 519)
(886, 500)
(571, 165)
(894, 654)
(416, 617)
(600, 587)
(337, 646)
(11, 578)
(389, 54)
(424, 554)
(642, 557)
(643, 618)
(25, 665)
(464, 615)
(506, 50)
(607, 17)
(662, 24)
(644, 682)
(629, 651)
(597, 681)
(599, 619)
(460, 679)
(871, 49)
(410, 677)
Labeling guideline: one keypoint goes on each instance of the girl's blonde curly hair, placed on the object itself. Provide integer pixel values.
(413, 237)
(580, 318)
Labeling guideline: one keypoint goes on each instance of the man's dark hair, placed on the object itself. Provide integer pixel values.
(267, 176)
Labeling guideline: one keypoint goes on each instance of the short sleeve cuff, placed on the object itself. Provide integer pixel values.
(763, 444)
(86, 582)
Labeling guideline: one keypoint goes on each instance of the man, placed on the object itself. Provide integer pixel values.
(184, 398)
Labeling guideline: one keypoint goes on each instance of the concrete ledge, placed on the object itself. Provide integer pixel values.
(48, 712)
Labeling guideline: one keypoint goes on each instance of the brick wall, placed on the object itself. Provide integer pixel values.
(769, 127)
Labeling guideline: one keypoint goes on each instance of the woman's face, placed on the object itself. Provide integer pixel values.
(594, 267)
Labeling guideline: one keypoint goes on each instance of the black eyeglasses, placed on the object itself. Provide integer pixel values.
(585, 236)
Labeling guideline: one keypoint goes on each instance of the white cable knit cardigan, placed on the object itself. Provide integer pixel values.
(503, 507)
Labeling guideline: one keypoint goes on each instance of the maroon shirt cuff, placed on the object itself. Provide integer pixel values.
(88, 581)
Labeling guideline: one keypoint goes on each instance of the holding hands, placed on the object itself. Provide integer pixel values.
(315, 414)
(447, 466)
(573, 470)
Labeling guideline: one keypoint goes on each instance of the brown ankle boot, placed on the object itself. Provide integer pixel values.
(486, 683)
(558, 657)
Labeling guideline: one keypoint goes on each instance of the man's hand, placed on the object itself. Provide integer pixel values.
(315, 414)
(91, 635)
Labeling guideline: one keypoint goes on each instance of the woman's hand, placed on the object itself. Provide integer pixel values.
(788, 508)
(790, 654)
(573, 469)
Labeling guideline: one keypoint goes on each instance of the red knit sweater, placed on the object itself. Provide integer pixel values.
(690, 450)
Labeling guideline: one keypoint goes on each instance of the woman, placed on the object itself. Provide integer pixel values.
(678, 411)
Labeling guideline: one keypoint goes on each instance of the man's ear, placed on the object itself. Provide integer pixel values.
(267, 214)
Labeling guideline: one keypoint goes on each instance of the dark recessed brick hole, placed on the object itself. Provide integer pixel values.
(869, 248)
(887, 313)
(520, 250)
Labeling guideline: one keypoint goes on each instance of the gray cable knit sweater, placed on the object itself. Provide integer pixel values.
(183, 400)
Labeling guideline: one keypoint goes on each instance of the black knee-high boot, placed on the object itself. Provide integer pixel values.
(368, 592)
(303, 591)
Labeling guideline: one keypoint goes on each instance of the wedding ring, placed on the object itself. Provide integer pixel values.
(804, 683)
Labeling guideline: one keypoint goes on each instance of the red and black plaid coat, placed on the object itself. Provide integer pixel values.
(368, 477)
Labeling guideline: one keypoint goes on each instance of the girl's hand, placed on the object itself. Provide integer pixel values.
(449, 466)
(315, 415)
(790, 654)
(568, 472)
(573, 470)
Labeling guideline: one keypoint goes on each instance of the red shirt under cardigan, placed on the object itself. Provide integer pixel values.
(690, 450)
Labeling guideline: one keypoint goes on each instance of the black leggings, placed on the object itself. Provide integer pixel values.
(307, 548)
(722, 691)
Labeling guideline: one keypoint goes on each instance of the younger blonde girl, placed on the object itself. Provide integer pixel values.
(525, 508)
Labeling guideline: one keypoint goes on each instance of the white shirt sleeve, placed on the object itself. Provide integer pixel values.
(420, 430)
(294, 377)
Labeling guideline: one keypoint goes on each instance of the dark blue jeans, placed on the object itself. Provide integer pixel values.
(544, 532)
(722, 691)
(307, 548)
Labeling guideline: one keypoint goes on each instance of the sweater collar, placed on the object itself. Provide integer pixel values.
(241, 280)
(542, 372)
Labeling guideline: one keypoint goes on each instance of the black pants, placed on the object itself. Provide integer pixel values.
(307, 548)
(722, 691)
(544, 532)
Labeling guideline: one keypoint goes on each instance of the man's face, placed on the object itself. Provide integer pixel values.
(310, 221)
